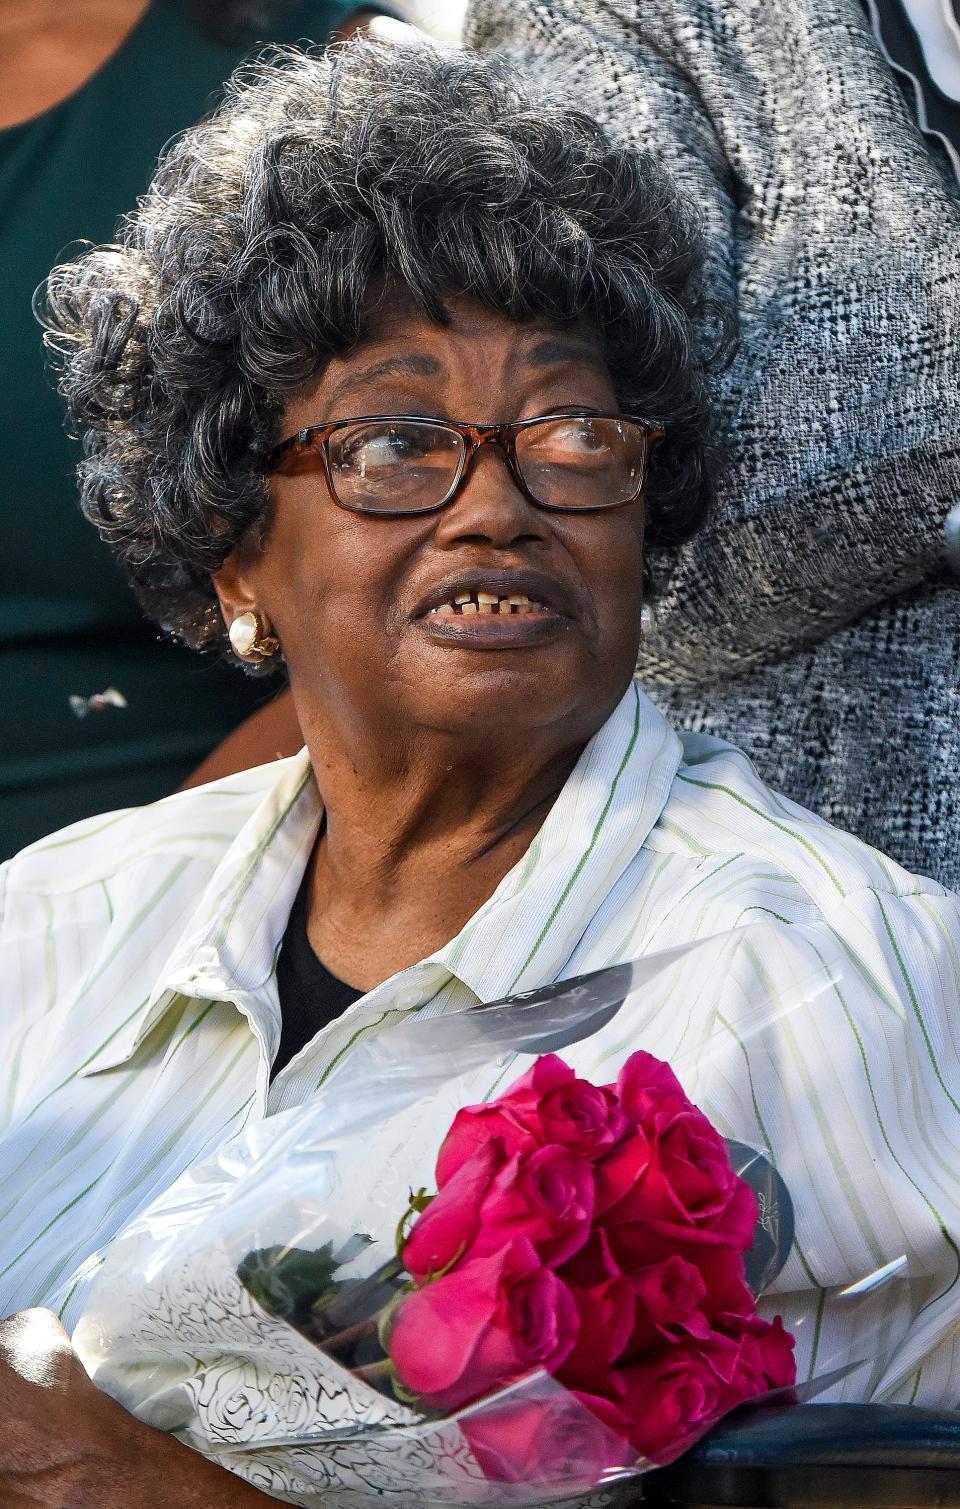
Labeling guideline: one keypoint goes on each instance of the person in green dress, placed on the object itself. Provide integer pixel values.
(89, 95)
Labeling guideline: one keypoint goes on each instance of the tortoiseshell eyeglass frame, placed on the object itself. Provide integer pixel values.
(316, 439)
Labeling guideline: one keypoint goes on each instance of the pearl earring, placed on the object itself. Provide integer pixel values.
(648, 620)
(248, 640)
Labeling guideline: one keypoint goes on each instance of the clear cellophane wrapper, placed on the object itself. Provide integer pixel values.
(170, 1331)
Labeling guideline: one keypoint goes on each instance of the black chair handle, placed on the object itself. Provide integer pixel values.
(817, 1456)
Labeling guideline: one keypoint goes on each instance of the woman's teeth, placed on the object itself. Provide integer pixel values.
(487, 602)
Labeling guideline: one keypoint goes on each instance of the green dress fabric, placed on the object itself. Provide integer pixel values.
(68, 622)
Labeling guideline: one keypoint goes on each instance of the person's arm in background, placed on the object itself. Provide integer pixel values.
(834, 241)
(271, 733)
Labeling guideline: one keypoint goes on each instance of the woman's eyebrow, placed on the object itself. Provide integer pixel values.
(553, 349)
(403, 364)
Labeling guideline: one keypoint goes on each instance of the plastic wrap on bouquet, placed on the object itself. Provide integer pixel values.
(254, 1308)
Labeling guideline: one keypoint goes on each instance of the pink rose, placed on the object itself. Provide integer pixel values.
(482, 1325)
(566, 1440)
(777, 1347)
(668, 1293)
(676, 1179)
(549, 1104)
(513, 1116)
(470, 1129)
(669, 1401)
(606, 1313)
(646, 1085)
(636, 1245)
(582, 1116)
(546, 1197)
(672, 1395)
(751, 1356)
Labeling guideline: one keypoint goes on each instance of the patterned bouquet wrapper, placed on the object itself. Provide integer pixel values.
(190, 1351)
(202, 1359)
(169, 1330)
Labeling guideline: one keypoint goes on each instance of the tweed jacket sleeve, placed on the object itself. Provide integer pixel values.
(836, 240)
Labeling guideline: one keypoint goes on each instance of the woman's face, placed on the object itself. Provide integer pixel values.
(349, 595)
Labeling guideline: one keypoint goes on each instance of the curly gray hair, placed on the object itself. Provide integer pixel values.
(253, 257)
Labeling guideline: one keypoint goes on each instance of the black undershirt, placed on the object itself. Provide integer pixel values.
(310, 996)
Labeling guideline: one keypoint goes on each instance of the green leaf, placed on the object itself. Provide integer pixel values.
(353, 1247)
(287, 1280)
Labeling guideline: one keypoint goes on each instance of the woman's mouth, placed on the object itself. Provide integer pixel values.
(486, 621)
(496, 609)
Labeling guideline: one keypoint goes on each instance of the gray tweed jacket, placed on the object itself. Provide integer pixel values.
(816, 621)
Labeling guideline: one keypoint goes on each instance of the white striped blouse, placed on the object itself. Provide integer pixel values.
(140, 1012)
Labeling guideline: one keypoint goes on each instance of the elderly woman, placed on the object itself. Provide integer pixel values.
(389, 355)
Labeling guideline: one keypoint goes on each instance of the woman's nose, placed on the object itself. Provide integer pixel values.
(490, 506)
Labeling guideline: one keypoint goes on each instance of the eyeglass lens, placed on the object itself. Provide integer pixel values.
(582, 462)
(569, 463)
(394, 464)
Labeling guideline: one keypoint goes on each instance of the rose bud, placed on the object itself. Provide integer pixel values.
(470, 1129)
(646, 1085)
(582, 1116)
(546, 1197)
(555, 1106)
(667, 1293)
(513, 1116)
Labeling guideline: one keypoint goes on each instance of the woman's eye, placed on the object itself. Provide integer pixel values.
(579, 435)
(370, 450)
(566, 440)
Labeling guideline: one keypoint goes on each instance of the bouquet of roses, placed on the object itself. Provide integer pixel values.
(594, 1232)
(575, 1303)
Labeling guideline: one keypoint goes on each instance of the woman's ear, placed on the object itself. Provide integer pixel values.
(234, 588)
(248, 627)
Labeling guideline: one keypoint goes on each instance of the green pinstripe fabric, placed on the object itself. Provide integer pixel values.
(140, 1012)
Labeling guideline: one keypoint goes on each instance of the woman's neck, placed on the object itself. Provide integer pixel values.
(413, 846)
(50, 49)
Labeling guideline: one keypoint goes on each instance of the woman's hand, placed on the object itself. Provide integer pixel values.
(66, 1445)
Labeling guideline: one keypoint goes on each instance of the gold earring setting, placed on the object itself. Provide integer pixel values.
(248, 639)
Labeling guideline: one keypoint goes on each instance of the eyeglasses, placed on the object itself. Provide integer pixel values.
(408, 464)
